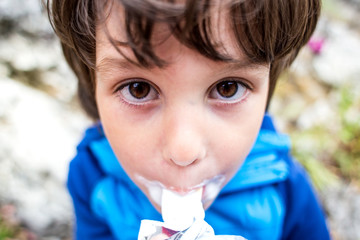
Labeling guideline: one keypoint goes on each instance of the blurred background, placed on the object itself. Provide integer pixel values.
(317, 102)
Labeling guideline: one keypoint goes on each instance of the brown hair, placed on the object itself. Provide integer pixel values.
(268, 31)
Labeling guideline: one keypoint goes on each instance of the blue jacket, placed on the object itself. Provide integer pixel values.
(269, 198)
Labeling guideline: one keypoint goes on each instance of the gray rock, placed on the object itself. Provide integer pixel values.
(339, 62)
(38, 138)
(25, 16)
(342, 202)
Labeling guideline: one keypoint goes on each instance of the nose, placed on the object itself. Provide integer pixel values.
(184, 138)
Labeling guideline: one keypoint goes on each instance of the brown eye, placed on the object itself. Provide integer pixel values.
(227, 89)
(139, 90)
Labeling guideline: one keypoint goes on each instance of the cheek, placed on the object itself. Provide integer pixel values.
(132, 146)
(235, 141)
(130, 142)
(232, 153)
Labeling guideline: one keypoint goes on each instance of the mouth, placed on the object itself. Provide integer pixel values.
(210, 188)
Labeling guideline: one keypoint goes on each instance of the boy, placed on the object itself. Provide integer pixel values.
(180, 89)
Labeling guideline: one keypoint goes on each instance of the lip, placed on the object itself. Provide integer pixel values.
(185, 191)
(211, 188)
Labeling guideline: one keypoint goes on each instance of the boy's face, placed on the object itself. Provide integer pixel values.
(188, 125)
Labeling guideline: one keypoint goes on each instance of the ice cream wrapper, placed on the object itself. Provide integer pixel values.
(183, 217)
(199, 230)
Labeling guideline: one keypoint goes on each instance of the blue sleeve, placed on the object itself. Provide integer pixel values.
(304, 218)
(84, 173)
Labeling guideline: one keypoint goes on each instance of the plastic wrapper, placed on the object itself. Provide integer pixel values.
(183, 217)
(199, 230)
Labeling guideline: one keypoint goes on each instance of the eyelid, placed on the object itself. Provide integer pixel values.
(139, 102)
(241, 81)
(128, 81)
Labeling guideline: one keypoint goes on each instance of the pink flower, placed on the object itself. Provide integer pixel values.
(316, 44)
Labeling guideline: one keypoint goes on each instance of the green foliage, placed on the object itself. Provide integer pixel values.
(6, 231)
(327, 150)
(309, 149)
(347, 155)
(330, 7)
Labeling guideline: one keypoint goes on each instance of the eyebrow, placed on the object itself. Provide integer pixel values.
(233, 66)
(108, 63)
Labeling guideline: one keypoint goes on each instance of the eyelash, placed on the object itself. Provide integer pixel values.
(135, 102)
(153, 90)
(225, 101)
